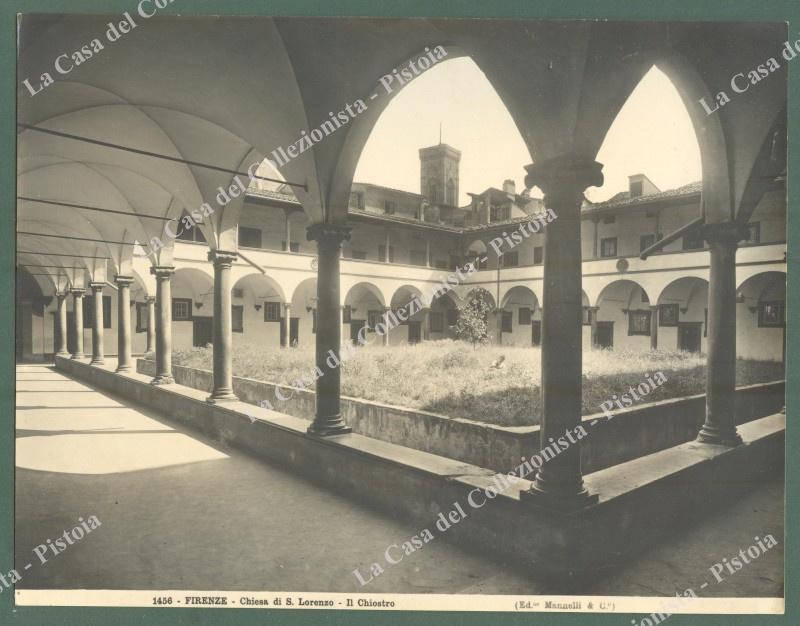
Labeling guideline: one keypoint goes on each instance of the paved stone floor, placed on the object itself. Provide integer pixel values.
(180, 512)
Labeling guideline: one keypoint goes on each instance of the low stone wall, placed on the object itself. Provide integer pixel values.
(632, 433)
(639, 501)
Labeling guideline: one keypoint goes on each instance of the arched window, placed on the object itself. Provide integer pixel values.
(451, 193)
(434, 193)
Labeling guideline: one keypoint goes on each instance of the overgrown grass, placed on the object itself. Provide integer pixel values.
(454, 379)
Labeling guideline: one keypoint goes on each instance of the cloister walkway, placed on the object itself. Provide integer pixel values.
(181, 512)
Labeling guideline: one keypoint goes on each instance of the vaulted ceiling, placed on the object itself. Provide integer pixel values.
(227, 91)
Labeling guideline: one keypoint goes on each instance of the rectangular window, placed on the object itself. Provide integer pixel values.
(645, 241)
(418, 257)
(636, 189)
(452, 317)
(638, 322)
(668, 314)
(389, 207)
(237, 318)
(608, 247)
(436, 321)
(190, 232)
(524, 316)
(181, 309)
(510, 259)
(771, 314)
(538, 255)
(357, 200)
(498, 213)
(753, 232)
(347, 314)
(359, 255)
(272, 311)
(382, 254)
(373, 319)
(507, 321)
(141, 317)
(249, 237)
(609, 219)
(585, 319)
(293, 246)
(693, 240)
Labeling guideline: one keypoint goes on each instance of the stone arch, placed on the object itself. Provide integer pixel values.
(683, 303)
(616, 303)
(761, 317)
(302, 327)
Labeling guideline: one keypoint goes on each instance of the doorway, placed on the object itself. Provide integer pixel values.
(689, 334)
(605, 334)
(294, 331)
(202, 331)
(414, 332)
(355, 328)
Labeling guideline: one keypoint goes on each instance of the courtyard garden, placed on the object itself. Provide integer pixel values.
(455, 379)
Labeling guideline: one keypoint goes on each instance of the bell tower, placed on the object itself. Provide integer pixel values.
(439, 174)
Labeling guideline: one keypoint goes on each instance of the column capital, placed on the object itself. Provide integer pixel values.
(96, 285)
(654, 307)
(162, 272)
(287, 305)
(333, 234)
(61, 295)
(149, 299)
(123, 280)
(568, 173)
(77, 291)
(725, 233)
(222, 258)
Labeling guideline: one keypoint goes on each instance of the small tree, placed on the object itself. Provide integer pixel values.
(472, 323)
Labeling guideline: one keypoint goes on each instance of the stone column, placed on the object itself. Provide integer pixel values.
(223, 336)
(163, 324)
(559, 483)
(426, 324)
(123, 322)
(654, 327)
(329, 238)
(287, 309)
(386, 311)
(498, 322)
(287, 231)
(98, 356)
(151, 323)
(720, 424)
(77, 321)
(593, 324)
(61, 316)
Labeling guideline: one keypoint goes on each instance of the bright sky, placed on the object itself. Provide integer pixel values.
(652, 135)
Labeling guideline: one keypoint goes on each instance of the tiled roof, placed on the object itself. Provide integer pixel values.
(619, 200)
(623, 198)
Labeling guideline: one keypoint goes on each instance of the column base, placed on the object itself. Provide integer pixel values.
(96, 361)
(123, 368)
(78, 355)
(221, 396)
(64, 354)
(554, 501)
(713, 435)
(329, 426)
(163, 379)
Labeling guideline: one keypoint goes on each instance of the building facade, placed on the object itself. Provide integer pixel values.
(404, 244)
